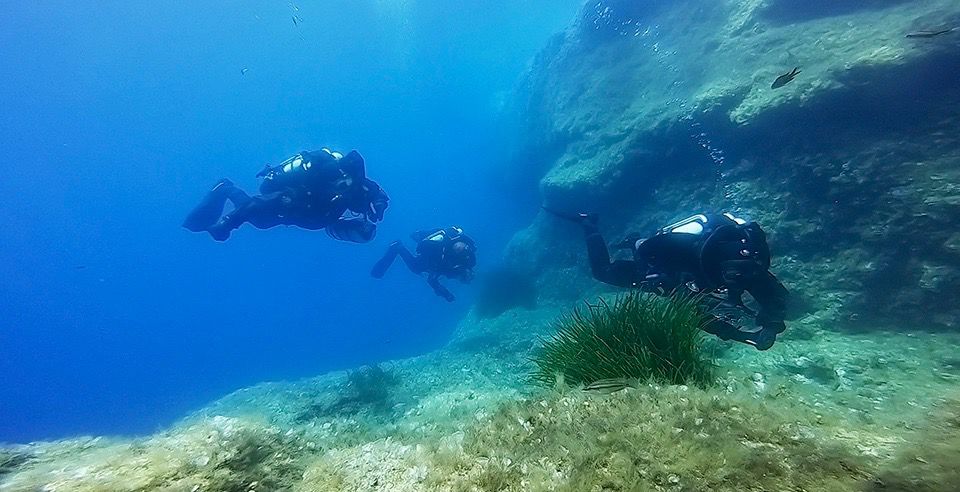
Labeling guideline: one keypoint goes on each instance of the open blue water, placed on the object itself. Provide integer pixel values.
(116, 117)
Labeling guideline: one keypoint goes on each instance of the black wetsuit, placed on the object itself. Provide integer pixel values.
(714, 252)
(435, 256)
(312, 190)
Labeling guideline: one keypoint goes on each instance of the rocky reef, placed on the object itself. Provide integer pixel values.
(834, 412)
(647, 111)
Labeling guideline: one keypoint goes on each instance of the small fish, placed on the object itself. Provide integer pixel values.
(80, 267)
(296, 20)
(244, 70)
(785, 78)
(930, 34)
(607, 386)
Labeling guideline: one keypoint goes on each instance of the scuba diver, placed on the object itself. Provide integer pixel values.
(313, 190)
(706, 254)
(440, 253)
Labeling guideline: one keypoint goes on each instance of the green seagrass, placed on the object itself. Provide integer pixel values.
(640, 337)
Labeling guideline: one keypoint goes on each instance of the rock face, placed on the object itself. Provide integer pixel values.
(648, 112)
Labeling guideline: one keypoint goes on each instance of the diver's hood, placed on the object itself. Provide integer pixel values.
(352, 164)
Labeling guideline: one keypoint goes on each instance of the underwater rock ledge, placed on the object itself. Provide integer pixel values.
(851, 168)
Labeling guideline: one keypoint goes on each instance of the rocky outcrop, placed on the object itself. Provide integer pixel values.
(649, 111)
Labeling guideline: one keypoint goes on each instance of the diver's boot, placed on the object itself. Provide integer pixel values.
(222, 229)
(381, 267)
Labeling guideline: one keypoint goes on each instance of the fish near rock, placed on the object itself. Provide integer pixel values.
(612, 385)
(930, 33)
(785, 78)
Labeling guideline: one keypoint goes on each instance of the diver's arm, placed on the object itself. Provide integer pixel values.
(771, 295)
(371, 201)
(439, 289)
(378, 200)
(621, 273)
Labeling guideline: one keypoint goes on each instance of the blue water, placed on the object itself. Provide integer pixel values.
(116, 116)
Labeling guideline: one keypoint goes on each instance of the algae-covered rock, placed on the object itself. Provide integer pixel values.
(647, 112)
(222, 454)
(653, 438)
(825, 413)
(381, 465)
(13, 458)
(929, 462)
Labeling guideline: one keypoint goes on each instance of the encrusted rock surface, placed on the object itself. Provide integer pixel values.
(650, 113)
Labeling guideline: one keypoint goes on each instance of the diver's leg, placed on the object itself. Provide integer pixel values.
(396, 249)
(260, 211)
(414, 263)
(354, 230)
(383, 264)
(209, 210)
(597, 250)
(439, 289)
(622, 273)
(264, 214)
(238, 197)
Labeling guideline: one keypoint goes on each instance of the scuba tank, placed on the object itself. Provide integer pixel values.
(292, 172)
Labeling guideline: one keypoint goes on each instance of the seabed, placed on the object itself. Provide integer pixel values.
(821, 411)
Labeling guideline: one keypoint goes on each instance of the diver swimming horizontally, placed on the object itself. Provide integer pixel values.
(705, 253)
(440, 253)
(312, 190)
